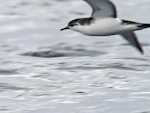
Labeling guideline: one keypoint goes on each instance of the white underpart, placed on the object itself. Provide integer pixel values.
(104, 27)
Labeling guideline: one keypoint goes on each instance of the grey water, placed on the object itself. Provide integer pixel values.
(44, 70)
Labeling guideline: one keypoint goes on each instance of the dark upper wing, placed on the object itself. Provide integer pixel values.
(102, 8)
(131, 37)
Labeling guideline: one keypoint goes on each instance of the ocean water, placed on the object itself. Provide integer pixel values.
(44, 70)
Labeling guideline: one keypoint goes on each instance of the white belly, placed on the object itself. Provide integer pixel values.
(104, 27)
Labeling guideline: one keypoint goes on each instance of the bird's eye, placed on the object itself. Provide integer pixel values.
(71, 25)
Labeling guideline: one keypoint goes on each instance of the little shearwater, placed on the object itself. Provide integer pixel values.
(104, 22)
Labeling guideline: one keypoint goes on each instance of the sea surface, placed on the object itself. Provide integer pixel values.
(43, 70)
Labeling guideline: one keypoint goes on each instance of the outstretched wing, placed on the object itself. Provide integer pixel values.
(132, 39)
(102, 8)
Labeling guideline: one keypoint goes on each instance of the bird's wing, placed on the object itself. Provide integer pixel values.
(131, 37)
(102, 8)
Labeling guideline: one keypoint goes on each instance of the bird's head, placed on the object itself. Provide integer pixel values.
(73, 25)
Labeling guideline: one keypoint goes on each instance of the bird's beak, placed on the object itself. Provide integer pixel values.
(64, 28)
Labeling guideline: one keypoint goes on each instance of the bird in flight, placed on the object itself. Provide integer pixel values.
(104, 22)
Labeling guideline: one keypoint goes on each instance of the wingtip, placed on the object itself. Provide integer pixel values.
(142, 52)
(140, 49)
(132, 39)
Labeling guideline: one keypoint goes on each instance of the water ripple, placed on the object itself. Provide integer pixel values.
(63, 51)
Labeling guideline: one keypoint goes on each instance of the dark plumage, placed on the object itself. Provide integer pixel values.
(139, 25)
(81, 21)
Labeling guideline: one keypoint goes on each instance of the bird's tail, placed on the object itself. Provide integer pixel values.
(143, 26)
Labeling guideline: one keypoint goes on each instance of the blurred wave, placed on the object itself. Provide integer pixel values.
(63, 50)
